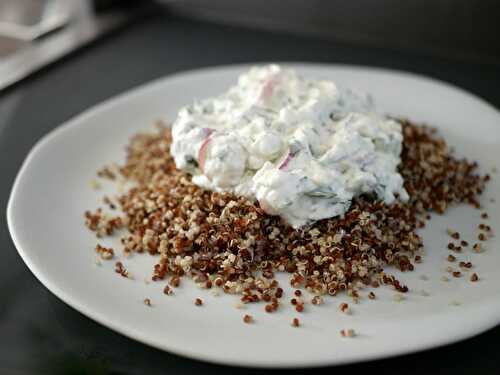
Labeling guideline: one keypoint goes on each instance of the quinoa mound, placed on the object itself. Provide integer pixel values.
(229, 242)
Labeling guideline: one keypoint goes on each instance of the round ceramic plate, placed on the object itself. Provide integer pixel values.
(51, 192)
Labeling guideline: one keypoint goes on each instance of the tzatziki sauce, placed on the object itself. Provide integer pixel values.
(303, 148)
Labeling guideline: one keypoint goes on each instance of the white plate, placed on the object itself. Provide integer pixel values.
(52, 191)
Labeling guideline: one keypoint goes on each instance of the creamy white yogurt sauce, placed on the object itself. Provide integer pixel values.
(302, 148)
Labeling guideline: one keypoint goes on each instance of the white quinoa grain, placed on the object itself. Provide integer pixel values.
(94, 184)
(347, 333)
(398, 297)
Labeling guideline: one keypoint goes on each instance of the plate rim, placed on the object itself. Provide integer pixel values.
(135, 334)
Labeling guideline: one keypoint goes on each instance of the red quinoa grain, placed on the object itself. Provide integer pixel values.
(120, 269)
(344, 307)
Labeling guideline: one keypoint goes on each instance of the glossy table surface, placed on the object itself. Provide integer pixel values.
(40, 334)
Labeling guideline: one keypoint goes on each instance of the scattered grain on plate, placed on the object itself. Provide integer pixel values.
(347, 333)
(198, 302)
(484, 215)
(232, 242)
(106, 172)
(371, 295)
(147, 302)
(101, 223)
(481, 237)
(464, 243)
(474, 277)
(106, 253)
(344, 307)
(465, 265)
(295, 322)
(477, 247)
(168, 290)
(175, 281)
(120, 269)
(451, 258)
(247, 318)
(317, 300)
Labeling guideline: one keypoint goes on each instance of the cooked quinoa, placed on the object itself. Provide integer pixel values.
(228, 242)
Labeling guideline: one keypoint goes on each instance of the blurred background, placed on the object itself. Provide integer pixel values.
(60, 57)
(34, 33)
(463, 29)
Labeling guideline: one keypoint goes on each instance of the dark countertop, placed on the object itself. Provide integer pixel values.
(40, 334)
